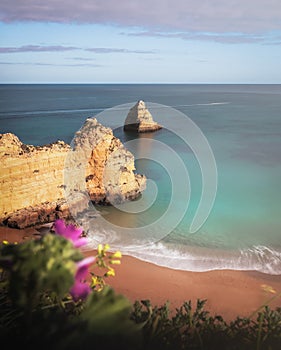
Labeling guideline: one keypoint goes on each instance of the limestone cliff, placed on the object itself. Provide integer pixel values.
(140, 119)
(36, 183)
(100, 158)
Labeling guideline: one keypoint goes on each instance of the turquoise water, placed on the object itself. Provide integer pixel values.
(241, 124)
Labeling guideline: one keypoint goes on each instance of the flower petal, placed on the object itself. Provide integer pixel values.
(80, 242)
(80, 290)
(86, 262)
(83, 268)
(59, 226)
(70, 232)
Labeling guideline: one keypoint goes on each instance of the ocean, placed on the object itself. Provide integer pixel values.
(213, 195)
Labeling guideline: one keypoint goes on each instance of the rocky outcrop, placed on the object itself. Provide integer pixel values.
(40, 183)
(139, 119)
(30, 176)
(38, 214)
(108, 167)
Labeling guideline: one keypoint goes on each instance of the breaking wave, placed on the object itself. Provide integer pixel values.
(198, 259)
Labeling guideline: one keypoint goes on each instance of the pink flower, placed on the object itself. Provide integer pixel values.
(70, 232)
(80, 289)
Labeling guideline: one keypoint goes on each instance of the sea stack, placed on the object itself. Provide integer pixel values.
(139, 119)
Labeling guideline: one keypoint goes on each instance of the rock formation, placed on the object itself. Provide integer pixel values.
(108, 167)
(140, 119)
(40, 183)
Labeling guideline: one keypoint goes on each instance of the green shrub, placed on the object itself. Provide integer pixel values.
(196, 329)
(49, 298)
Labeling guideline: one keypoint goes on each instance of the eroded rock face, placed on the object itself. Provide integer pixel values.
(108, 167)
(39, 184)
(30, 175)
(139, 119)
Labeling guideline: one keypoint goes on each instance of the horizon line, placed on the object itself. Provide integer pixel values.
(136, 83)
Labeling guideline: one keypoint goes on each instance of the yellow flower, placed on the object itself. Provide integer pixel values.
(95, 281)
(103, 249)
(117, 255)
(115, 262)
(106, 247)
(110, 273)
(268, 289)
(5, 242)
(99, 248)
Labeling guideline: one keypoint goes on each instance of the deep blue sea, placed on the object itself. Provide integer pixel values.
(213, 195)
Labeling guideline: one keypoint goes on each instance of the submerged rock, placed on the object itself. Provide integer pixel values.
(139, 119)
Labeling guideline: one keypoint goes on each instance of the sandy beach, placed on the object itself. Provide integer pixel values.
(229, 293)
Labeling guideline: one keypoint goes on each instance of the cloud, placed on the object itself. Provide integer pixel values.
(116, 50)
(81, 58)
(225, 38)
(250, 16)
(36, 48)
(273, 43)
(59, 48)
(50, 64)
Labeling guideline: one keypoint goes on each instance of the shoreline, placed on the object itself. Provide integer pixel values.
(229, 293)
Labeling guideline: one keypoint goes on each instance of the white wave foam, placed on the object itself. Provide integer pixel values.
(202, 104)
(260, 258)
(212, 104)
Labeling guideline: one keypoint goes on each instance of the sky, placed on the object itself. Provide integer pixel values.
(140, 41)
